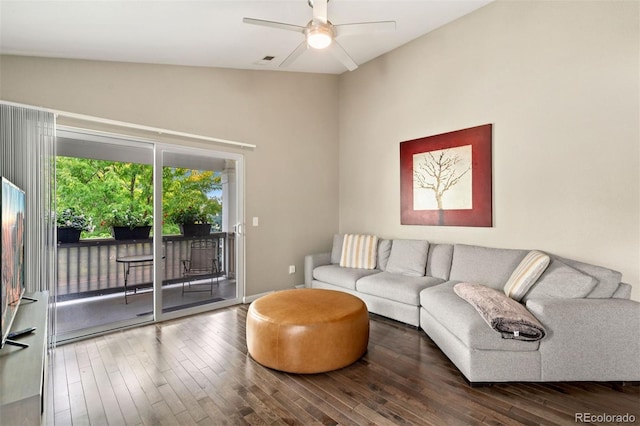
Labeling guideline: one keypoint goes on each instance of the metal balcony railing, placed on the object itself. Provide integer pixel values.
(89, 267)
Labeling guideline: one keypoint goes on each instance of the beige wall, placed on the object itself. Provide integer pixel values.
(560, 83)
(558, 80)
(291, 178)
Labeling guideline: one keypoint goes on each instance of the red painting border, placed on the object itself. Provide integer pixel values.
(481, 214)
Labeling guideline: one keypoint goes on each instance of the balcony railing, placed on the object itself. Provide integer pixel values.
(89, 267)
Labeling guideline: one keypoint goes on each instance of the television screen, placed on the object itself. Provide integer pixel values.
(12, 210)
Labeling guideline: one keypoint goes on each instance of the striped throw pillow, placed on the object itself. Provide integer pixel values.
(526, 274)
(359, 251)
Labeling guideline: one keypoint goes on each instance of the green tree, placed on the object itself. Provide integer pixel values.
(97, 187)
(186, 187)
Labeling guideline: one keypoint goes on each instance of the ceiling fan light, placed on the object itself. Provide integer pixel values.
(319, 37)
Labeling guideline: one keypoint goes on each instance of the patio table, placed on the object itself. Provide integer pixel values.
(134, 261)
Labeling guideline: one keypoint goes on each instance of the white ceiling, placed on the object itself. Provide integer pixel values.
(209, 32)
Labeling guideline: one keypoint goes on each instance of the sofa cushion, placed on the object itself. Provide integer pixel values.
(359, 251)
(484, 265)
(608, 279)
(526, 274)
(408, 257)
(439, 260)
(336, 250)
(561, 281)
(384, 250)
(463, 321)
(341, 277)
(398, 287)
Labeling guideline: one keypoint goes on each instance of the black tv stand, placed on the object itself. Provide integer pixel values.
(18, 334)
(14, 343)
(23, 374)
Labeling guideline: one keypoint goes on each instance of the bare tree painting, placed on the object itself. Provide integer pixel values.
(446, 179)
(442, 179)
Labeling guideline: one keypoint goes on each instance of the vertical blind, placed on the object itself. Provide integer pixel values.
(27, 158)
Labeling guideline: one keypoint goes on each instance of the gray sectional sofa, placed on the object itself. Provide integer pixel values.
(592, 328)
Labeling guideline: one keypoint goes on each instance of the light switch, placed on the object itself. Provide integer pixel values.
(255, 221)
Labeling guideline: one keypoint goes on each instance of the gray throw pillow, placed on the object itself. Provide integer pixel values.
(608, 279)
(408, 257)
(561, 281)
(439, 261)
(336, 251)
(384, 250)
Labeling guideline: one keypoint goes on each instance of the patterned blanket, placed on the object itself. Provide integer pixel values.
(501, 312)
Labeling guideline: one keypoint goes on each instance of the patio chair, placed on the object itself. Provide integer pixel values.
(203, 263)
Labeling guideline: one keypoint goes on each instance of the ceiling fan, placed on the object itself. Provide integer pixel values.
(320, 33)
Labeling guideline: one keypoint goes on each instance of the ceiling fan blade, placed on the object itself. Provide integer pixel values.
(320, 11)
(364, 28)
(302, 47)
(272, 24)
(342, 55)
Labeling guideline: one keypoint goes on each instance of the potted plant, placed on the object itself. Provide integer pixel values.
(130, 225)
(193, 221)
(70, 224)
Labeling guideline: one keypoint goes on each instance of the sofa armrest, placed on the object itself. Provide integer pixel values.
(312, 261)
(589, 339)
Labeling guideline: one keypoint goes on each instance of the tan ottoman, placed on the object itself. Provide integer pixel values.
(307, 330)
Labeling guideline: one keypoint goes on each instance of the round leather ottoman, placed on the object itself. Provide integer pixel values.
(307, 330)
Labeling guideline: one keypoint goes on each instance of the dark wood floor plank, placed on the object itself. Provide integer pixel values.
(125, 401)
(58, 382)
(431, 402)
(188, 381)
(172, 399)
(377, 417)
(145, 382)
(108, 360)
(185, 419)
(400, 413)
(162, 414)
(332, 408)
(270, 382)
(216, 417)
(185, 395)
(196, 371)
(77, 404)
(107, 397)
(71, 364)
(92, 397)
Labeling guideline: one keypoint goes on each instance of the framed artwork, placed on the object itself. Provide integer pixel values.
(446, 179)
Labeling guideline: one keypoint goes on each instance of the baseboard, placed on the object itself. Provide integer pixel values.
(248, 299)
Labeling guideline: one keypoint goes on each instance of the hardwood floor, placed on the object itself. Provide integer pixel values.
(196, 370)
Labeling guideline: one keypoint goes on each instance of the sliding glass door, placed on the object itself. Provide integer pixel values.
(199, 205)
(104, 186)
(158, 238)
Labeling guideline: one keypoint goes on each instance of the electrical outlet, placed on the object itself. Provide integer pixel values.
(292, 269)
(255, 221)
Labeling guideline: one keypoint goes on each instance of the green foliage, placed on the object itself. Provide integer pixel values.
(71, 218)
(121, 194)
(189, 215)
(185, 198)
(129, 218)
